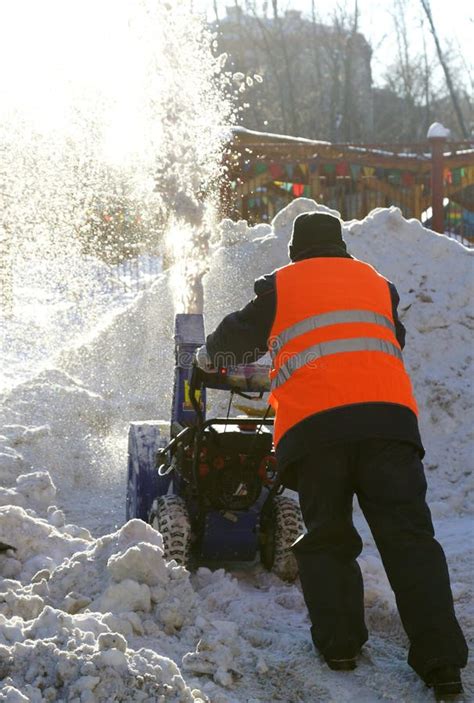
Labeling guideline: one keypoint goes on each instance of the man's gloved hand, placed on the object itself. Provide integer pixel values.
(203, 360)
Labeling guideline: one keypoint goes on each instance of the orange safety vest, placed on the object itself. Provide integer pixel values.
(333, 341)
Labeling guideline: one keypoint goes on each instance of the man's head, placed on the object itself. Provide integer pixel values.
(316, 232)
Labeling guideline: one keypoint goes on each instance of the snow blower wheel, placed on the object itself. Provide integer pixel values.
(280, 529)
(169, 515)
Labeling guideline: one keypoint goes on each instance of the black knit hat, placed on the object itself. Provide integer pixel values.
(315, 230)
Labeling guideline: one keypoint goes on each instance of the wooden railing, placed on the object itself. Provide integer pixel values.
(431, 181)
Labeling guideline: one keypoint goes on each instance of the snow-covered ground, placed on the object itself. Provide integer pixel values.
(89, 610)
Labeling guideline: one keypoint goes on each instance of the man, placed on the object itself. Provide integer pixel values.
(345, 424)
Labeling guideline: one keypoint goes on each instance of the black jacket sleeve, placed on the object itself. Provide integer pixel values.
(242, 336)
(399, 328)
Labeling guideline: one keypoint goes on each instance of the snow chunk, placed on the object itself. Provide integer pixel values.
(138, 531)
(113, 657)
(10, 694)
(216, 652)
(124, 596)
(112, 641)
(37, 487)
(143, 562)
(37, 543)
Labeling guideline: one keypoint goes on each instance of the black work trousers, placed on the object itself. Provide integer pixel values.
(388, 478)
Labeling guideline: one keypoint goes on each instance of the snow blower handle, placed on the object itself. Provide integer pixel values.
(250, 378)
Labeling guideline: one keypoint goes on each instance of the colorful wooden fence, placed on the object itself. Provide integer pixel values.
(265, 172)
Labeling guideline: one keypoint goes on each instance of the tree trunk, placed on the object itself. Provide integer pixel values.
(457, 108)
(273, 63)
(289, 78)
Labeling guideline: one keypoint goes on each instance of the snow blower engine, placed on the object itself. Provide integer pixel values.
(212, 490)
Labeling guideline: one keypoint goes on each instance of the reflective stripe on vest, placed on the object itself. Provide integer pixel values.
(324, 319)
(353, 344)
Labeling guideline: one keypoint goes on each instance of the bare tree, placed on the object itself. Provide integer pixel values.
(452, 92)
(406, 78)
(427, 73)
(288, 73)
(272, 63)
(348, 97)
(347, 74)
(317, 78)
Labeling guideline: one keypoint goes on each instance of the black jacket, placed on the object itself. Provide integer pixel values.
(242, 336)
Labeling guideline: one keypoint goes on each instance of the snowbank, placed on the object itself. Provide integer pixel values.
(84, 619)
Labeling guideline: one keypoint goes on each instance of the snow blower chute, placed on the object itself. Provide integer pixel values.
(212, 490)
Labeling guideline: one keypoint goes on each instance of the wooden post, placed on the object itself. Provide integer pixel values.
(417, 193)
(437, 135)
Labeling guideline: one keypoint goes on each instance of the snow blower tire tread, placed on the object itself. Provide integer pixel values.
(171, 519)
(288, 527)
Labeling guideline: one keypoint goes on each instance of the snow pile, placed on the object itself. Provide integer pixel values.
(37, 544)
(121, 573)
(63, 634)
(58, 657)
(83, 619)
(52, 422)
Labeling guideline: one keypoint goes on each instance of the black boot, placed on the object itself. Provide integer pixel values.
(339, 656)
(341, 663)
(445, 682)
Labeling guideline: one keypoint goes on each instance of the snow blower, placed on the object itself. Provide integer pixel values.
(213, 489)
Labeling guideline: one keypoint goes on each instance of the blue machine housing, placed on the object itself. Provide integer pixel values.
(221, 534)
